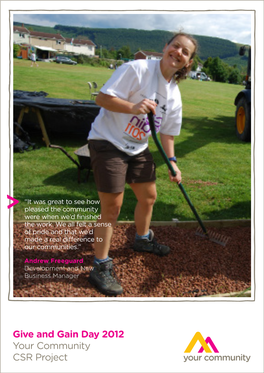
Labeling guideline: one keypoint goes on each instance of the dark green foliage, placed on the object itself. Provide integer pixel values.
(196, 60)
(125, 52)
(235, 76)
(149, 40)
(111, 41)
(16, 49)
(218, 70)
(80, 60)
(215, 47)
(222, 72)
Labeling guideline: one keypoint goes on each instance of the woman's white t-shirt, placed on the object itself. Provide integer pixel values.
(134, 81)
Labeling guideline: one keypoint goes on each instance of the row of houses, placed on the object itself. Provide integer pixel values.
(47, 46)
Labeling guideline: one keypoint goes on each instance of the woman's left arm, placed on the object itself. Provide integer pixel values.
(167, 142)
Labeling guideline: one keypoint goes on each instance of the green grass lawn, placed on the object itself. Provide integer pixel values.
(58, 80)
(215, 165)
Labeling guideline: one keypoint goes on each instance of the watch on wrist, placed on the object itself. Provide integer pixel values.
(174, 159)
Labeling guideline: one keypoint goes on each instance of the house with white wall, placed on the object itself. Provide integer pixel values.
(21, 35)
(47, 45)
(79, 46)
(145, 55)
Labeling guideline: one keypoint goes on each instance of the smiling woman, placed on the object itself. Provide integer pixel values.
(178, 54)
(118, 143)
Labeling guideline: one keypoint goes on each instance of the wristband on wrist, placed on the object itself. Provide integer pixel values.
(174, 159)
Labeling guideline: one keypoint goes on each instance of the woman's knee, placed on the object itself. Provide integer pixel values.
(110, 208)
(111, 214)
(151, 199)
(148, 197)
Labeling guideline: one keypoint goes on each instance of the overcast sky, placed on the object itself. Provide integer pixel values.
(231, 25)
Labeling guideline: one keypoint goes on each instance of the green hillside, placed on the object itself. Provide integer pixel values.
(147, 40)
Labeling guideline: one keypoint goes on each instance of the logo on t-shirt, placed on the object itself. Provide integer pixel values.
(138, 128)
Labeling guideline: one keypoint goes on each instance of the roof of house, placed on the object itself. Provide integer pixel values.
(147, 53)
(79, 41)
(20, 29)
(39, 34)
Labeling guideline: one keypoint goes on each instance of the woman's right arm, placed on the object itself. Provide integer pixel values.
(119, 105)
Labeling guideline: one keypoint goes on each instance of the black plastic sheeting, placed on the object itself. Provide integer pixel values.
(59, 115)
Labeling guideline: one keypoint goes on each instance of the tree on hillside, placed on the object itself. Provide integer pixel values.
(124, 52)
(207, 67)
(102, 52)
(216, 68)
(82, 37)
(234, 76)
(112, 54)
(196, 61)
